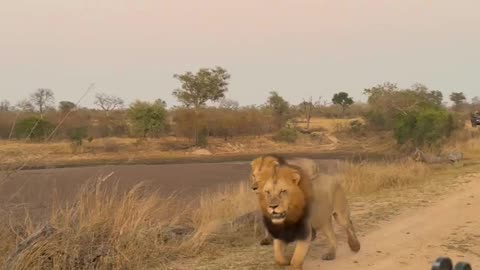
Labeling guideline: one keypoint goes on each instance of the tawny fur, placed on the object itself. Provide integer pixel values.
(322, 200)
(261, 168)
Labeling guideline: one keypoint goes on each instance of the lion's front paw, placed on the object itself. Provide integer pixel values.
(329, 256)
(296, 267)
(282, 262)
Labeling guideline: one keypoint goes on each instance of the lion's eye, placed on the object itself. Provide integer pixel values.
(283, 192)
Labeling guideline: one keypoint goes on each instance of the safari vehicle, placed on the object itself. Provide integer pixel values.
(475, 118)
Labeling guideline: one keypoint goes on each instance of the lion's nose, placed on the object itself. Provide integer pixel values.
(273, 206)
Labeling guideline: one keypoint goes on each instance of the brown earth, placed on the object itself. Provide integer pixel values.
(414, 239)
(405, 228)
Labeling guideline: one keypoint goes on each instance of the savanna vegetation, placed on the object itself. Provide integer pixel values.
(104, 227)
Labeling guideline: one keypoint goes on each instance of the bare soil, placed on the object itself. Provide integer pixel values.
(414, 239)
(399, 229)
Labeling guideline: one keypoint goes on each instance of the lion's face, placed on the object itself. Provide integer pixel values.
(282, 199)
(262, 169)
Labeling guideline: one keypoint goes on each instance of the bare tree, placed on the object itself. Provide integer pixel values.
(42, 99)
(226, 103)
(307, 108)
(476, 100)
(4, 105)
(25, 106)
(108, 103)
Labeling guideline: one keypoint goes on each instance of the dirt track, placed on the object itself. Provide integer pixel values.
(450, 227)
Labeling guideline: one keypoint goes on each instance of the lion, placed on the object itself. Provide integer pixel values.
(292, 207)
(261, 169)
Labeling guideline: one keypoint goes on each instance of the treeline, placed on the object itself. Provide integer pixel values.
(416, 115)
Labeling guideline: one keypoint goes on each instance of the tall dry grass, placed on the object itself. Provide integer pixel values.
(103, 228)
(369, 177)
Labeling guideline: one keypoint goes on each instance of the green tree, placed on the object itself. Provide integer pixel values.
(280, 109)
(66, 106)
(42, 99)
(148, 119)
(458, 98)
(387, 101)
(342, 99)
(199, 88)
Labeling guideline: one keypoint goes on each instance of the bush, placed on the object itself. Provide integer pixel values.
(286, 134)
(33, 128)
(147, 119)
(357, 127)
(426, 127)
(76, 135)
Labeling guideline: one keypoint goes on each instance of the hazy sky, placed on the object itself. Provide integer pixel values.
(297, 47)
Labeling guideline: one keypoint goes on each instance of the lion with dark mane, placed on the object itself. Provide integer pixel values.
(261, 171)
(292, 208)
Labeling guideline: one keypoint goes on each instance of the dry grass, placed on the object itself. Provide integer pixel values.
(365, 177)
(103, 228)
(330, 125)
(106, 229)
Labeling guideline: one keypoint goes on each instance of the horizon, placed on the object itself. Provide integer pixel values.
(300, 49)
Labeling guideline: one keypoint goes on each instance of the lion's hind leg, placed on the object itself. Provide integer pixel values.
(329, 233)
(342, 216)
(267, 240)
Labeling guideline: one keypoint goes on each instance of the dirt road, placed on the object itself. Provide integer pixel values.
(413, 240)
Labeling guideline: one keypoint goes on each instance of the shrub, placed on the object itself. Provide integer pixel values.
(76, 135)
(286, 134)
(426, 127)
(33, 128)
(147, 119)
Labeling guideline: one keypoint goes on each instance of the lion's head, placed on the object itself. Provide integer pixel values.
(285, 196)
(262, 170)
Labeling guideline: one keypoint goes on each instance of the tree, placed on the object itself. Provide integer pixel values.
(66, 106)
(108, 103)
(476, 100)
(458, 98)
(280, 109)
(431, 96)
(42, 99)
(307, 108)
(25, 106)
(229, 104)
(342, 99)
(148, 119)
(4, 105)
(205, 85)
(197, 89)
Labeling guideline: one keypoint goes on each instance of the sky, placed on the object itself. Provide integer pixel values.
(300, 48)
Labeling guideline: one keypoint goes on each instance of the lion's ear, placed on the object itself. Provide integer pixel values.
(296, 178)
